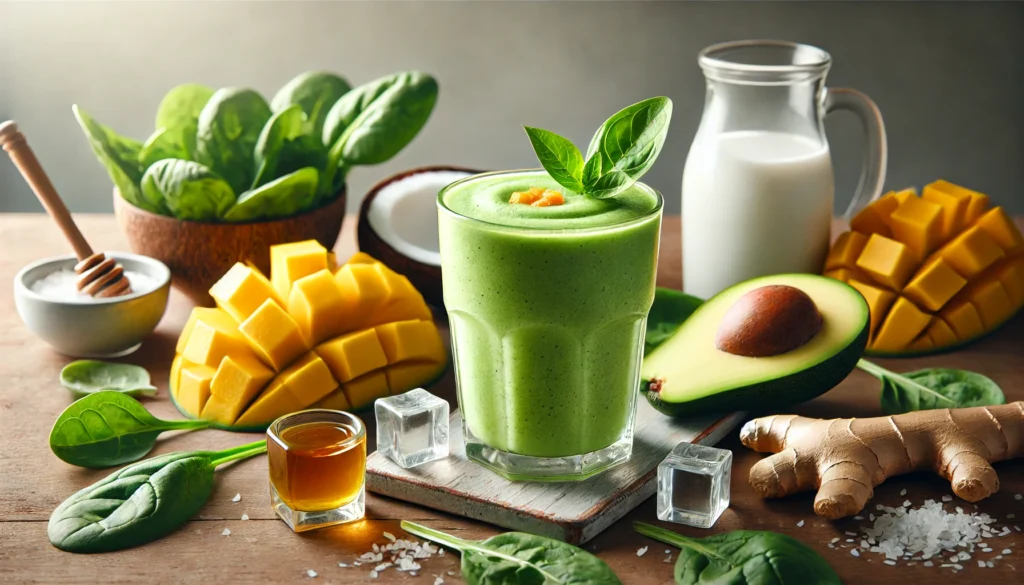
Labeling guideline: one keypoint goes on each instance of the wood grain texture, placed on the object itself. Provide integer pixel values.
(199, 253)
(33, 482)
(573, 512)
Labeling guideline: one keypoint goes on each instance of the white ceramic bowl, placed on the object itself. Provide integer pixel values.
(97, 327)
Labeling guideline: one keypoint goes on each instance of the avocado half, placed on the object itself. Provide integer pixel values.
(688, 375)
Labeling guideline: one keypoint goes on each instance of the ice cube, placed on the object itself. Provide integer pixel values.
(412, 428)
(693, 485)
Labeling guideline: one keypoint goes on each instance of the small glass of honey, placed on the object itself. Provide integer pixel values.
(317, 462)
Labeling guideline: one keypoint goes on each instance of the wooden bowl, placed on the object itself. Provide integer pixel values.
(199, 253)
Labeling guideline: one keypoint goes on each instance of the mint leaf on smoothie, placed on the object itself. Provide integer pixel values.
(623, 149)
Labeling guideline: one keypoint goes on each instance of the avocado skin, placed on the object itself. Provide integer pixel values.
(771, 394)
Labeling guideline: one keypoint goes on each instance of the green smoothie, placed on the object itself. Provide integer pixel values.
(547, 307)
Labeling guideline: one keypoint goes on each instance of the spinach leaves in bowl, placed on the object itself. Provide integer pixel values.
(230, 156)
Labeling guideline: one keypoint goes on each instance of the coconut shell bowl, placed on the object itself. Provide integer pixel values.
(199, 253)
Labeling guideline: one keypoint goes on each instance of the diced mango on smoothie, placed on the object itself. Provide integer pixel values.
(943, 262)
(315, 335)
(537, 197)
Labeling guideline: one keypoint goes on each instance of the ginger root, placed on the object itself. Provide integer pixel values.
(845, 458)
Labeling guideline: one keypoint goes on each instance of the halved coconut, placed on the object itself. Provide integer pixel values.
(398, 225)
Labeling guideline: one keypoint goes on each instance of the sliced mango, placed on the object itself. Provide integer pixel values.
(845, 251)
(874, 218)
(274, 335)
(918, 224)
(934, 285)
(1011, 274)
(337, 337)
(992, 302)
(971, 252)
(1000, 228)
(902, 325)
(963, 318)
(290, 262)
(941, 334)
(922, 343)
(879, 301)
(887, 262)
(976, 207)
(954, 202)
(241, 291)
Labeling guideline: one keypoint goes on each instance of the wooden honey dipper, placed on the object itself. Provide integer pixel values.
(99, 276)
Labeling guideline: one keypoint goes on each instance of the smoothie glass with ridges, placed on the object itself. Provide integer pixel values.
(547, 309)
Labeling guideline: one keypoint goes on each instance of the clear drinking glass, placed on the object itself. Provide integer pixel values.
(758, 185)
(317, 463)
(547, 335)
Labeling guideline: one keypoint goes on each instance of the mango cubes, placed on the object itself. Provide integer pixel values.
(312, 335)
(937, 270)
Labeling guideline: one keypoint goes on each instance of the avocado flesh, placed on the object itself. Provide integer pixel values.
(699, 378)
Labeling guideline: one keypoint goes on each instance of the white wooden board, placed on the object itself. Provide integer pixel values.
(574, 511)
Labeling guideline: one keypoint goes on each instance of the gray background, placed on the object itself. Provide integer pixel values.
(948, 77)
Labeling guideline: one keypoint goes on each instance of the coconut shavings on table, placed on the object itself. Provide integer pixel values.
(401, 554)
(930, 534)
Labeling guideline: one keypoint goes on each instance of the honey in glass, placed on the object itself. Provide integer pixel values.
(317, 461)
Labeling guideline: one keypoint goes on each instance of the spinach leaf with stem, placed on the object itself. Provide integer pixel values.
(109, 428)
(159, 146)
(933, 388)
(189, 189)
(315, 92)
(83, 377)
(559, 157)
(751, 557)
(625, 147)
(120, 156)
(282, 127)
(178, 116)
(282, 197)
(228, 128)
(516, 558)
(142, 502)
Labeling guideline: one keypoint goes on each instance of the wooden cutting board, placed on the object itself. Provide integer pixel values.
(574, 511)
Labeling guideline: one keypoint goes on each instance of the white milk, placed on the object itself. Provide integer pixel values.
(754, 203)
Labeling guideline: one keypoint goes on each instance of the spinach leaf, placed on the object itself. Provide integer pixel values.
(626, 146)
(158, 146)
(314, 92)
(515, 558)
(933, 388)
(670, 309)
(228, 128)
(283, 126)
(283, 197)
(190, 190)
(120, 156)
(84, 377)
(374, 121)
(559, 157)
(752, 557)
(109, 428)
(178, 115)
(141, 502)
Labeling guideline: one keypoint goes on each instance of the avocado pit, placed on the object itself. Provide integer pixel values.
(769, 320)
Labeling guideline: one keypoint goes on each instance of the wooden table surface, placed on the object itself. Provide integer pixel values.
(33, 482)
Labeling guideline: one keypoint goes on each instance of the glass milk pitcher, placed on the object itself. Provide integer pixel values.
(757, 186)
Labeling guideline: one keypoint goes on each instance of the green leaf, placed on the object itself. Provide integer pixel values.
(120, 156)
(933, 388)
(228, 128)
(283, 197)
(141, 502)
(376, 120)
(109, 428)
(743, 557)
(670, 309)
(84, 377)
(159, 146)
(190, 190)
(286, 125)
(178, 115)
(559, 157)
(315, 92)
(625, 147)
(516, 558)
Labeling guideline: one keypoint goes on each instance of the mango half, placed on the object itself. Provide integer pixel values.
(938, 270)
(312, 335)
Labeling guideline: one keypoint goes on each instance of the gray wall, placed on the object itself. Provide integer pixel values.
(947, 76)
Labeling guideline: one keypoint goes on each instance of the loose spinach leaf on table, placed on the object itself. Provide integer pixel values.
(109, 428)
(743, 557)
(120, 156)
(178, 116)
(283, 126)
(283, 197)
(141, 502)
(933, 388)
(516, 558)
(228, 128)
(315, 92)
(84, 377)
(189, 189)
(670, 309)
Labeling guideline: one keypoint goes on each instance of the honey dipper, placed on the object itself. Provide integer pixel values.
(99, 276)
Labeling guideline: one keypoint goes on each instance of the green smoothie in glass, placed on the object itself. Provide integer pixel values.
(547, 307)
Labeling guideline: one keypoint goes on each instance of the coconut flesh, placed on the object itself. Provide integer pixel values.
(404, 214)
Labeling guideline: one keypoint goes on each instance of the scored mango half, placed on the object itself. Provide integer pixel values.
(938, 270)
(312, 335)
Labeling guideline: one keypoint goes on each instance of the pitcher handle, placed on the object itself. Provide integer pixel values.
(872, 173)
